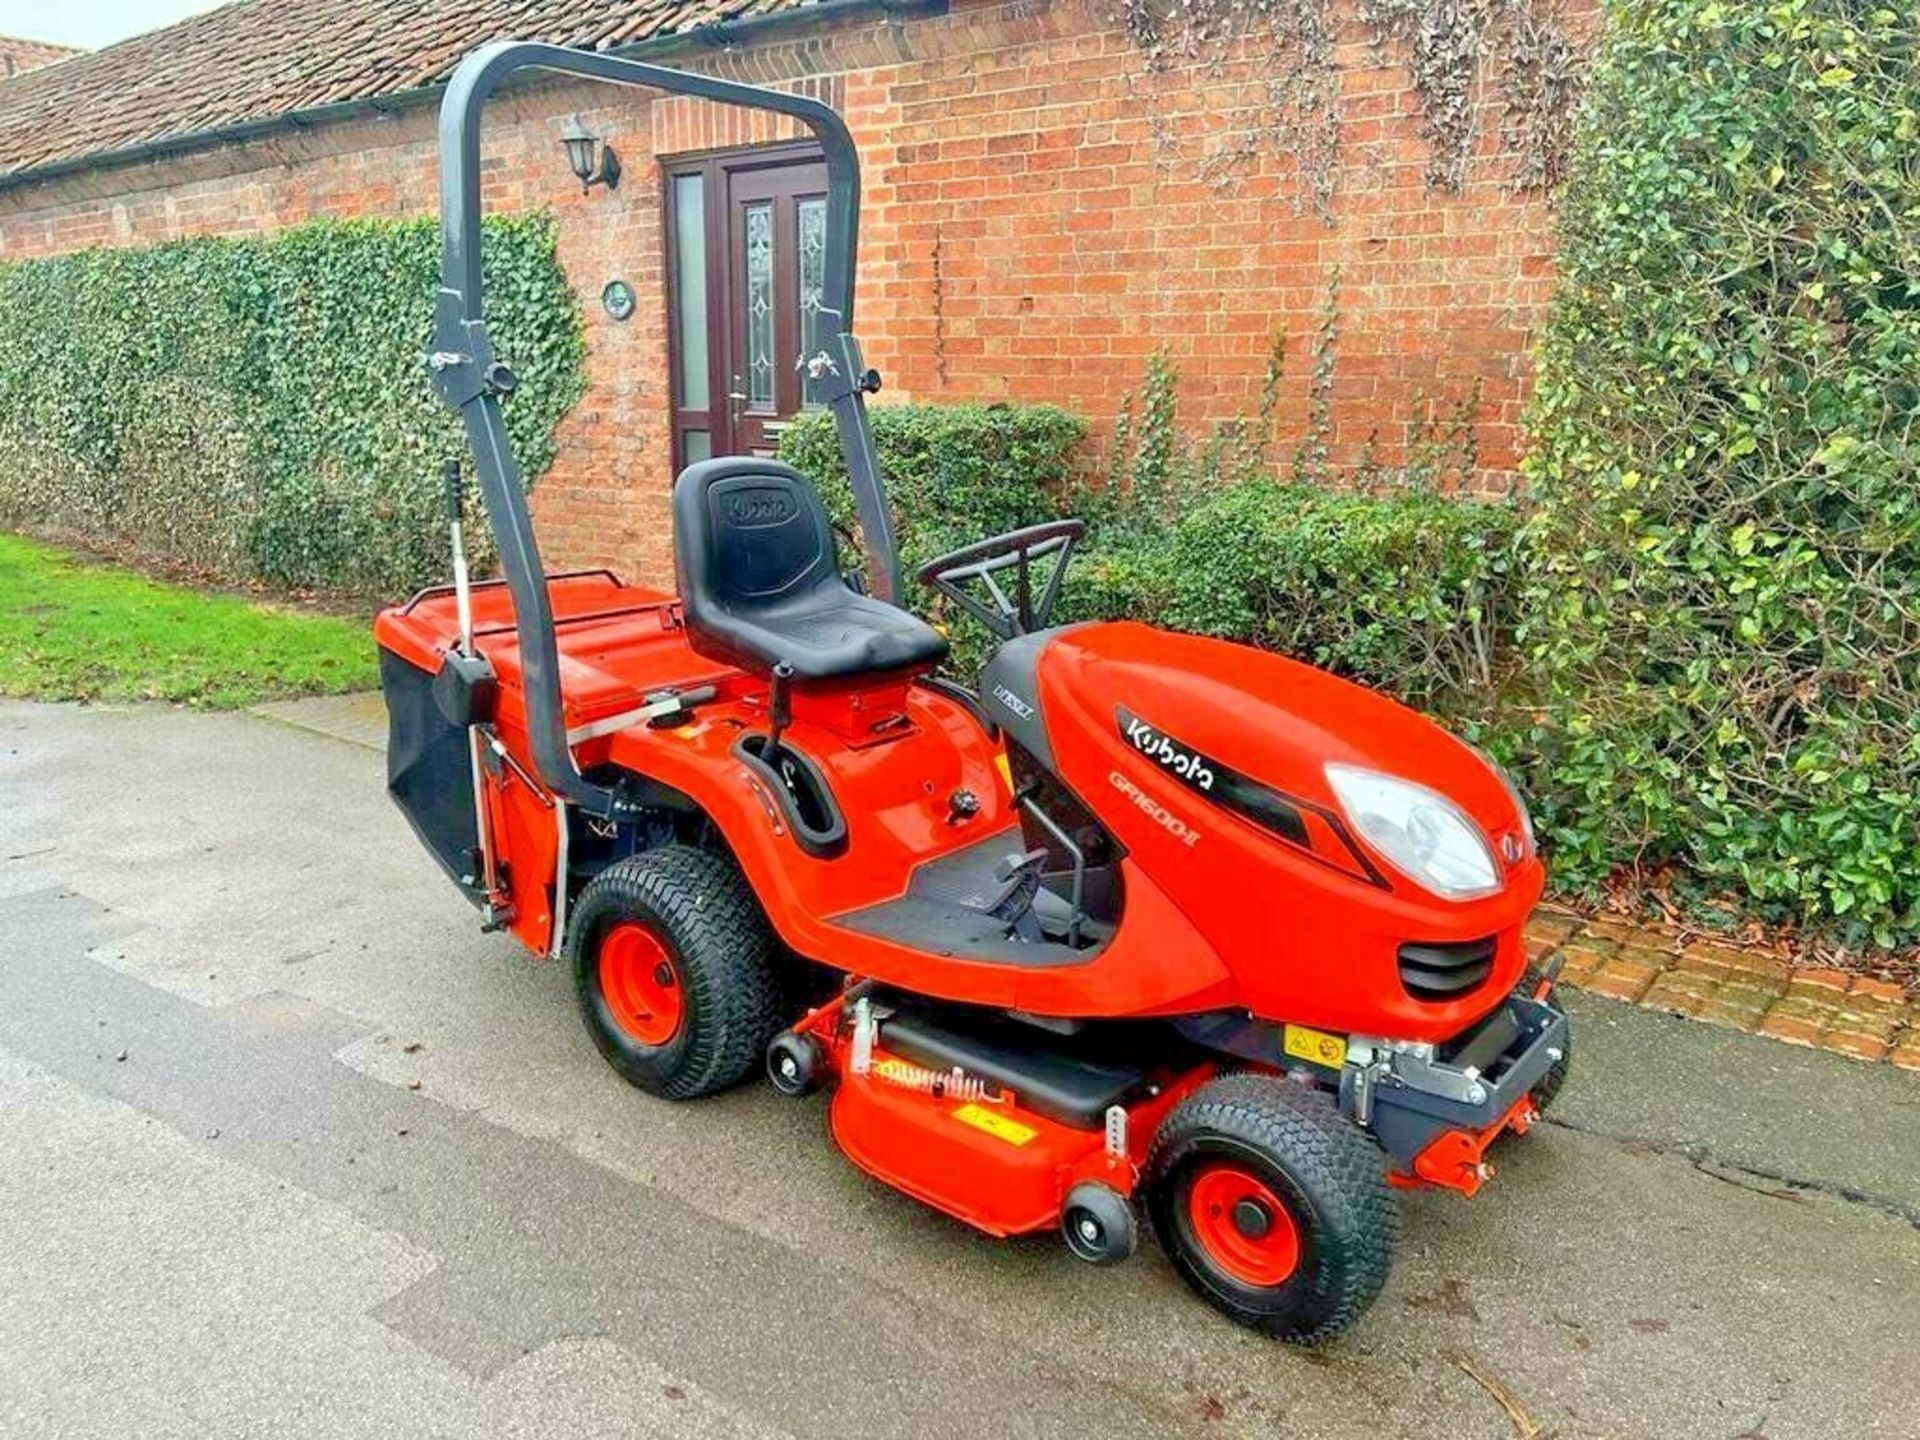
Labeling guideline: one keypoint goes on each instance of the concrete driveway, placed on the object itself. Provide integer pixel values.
(288, 1147)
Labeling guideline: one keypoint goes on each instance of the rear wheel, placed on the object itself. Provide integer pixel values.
(676, 971)
(1273, 1206)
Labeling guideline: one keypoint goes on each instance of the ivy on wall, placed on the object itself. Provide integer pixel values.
(258, 408)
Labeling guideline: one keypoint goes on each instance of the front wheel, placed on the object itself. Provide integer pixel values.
(1273, 1206)
(676, 972)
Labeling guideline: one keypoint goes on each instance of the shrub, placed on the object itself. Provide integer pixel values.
(1724, 602)
(1407, 591)
(954, 473)
(1392, 584)
(257, 407)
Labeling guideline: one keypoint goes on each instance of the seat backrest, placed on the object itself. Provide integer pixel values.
(751, 539)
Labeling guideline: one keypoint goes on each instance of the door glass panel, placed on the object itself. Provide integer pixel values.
(696, 445)
(760, 317)
(690, 282)
(812, 216)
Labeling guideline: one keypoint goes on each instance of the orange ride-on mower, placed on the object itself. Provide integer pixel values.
(1144, 923)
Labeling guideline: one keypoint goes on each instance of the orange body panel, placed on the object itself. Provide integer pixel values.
(1235, 920)
(1309, 938)
(1004, 1183)
(1006, 1174)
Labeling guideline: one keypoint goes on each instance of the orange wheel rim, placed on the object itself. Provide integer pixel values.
(642, 989)
(1242, 1226)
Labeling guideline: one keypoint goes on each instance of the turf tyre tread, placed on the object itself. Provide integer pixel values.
(1339, 1169)
(725, 954)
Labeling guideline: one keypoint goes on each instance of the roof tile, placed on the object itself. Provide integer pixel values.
(255, 60)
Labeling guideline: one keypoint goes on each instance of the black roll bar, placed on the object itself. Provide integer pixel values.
(473, 381)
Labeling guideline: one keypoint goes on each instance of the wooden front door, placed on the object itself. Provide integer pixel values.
(746, 251)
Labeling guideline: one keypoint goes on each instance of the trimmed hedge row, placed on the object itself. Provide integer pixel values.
(955, 473)
(1406, 591)
(258, 408)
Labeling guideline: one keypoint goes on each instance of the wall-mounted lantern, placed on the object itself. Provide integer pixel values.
(581, 145)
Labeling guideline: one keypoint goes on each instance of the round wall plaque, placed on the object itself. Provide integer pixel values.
(617, 299)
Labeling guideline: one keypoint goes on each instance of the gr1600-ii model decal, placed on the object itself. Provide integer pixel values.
(1278, 814)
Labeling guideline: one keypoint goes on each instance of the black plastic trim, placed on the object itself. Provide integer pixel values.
(823, 843)
(1446, 970)
(1048, 1081)
(1406, 1121)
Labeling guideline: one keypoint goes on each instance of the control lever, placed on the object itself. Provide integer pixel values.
(1018, 878)
(661, 709)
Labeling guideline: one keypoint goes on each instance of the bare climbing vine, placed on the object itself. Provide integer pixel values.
(1444, 40)
(1290, 45)
(1311, 452)
(1456, 52)
(1451, 44)
(939, 306)
(1540, 83)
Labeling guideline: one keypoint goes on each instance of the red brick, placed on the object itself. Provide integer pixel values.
(1890, 990)
(1791, 1028)
(1621, 980)
(1859, 1044)
(1736, 1006)
(1678, 992)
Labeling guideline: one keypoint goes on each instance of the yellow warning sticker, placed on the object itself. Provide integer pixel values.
(995, 1124)
(1317, 1046)
(1006, 769)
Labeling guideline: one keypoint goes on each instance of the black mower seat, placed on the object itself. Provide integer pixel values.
(761, 584)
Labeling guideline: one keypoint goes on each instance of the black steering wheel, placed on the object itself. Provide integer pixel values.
(1018, 613)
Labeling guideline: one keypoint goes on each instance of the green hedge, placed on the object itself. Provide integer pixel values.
(258, 408)
(954, 473)
(1724, 573)
(1407, 590)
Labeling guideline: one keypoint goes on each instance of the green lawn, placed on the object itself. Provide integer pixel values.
(71, 629)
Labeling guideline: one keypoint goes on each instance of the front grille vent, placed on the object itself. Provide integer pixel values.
(1445, 971)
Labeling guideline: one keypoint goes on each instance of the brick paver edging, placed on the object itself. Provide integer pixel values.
(1723, 984)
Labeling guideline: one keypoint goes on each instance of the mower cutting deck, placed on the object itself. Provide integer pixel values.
(1142, 921)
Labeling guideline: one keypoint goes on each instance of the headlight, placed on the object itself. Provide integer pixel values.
(1423, 833)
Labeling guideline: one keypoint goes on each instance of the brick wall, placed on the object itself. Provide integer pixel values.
(1077, 213)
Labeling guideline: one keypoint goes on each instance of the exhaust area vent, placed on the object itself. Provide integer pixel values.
(1445, 971)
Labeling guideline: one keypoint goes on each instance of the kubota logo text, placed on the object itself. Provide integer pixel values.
(1157, 747)
(763, 506)
(1152, 807)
